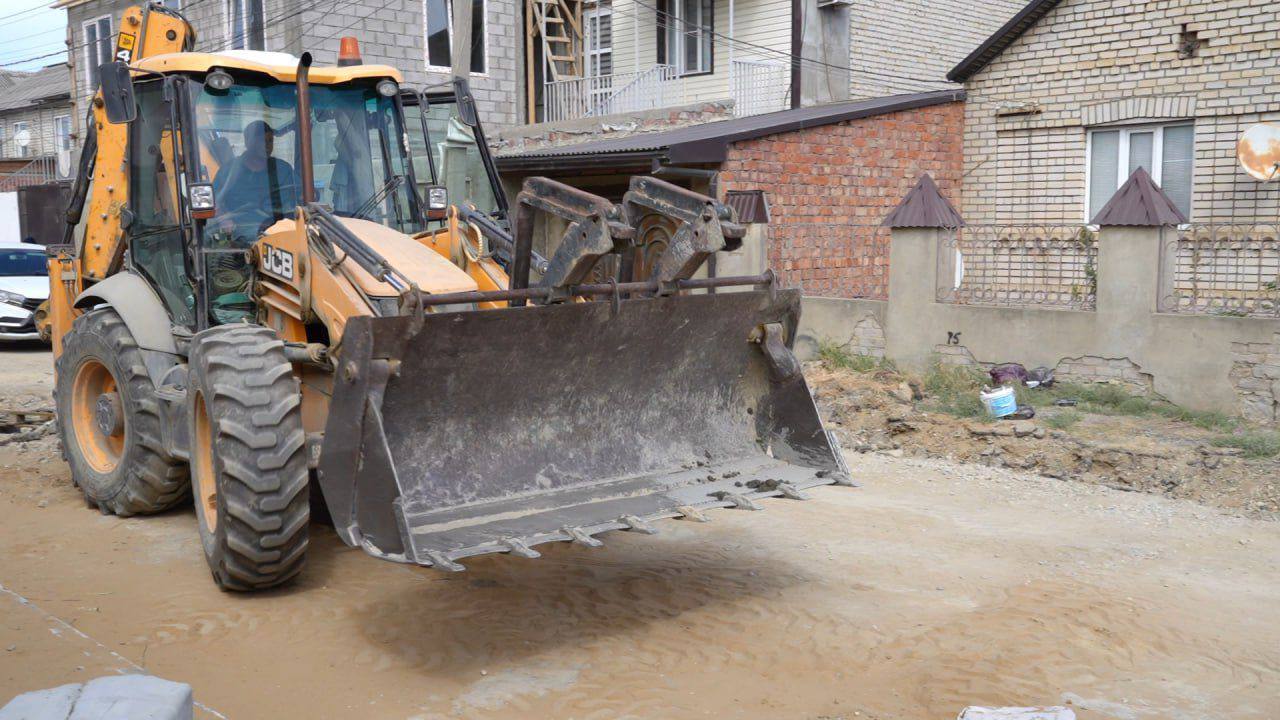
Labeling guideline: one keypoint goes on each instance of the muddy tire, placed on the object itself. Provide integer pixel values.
(248, 458)
(109, 421)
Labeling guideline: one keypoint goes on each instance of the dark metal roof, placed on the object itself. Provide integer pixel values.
(1140, 203)
(709, 142)
(924, 207)
(1001, 39)
(750, 206)
(44, 85)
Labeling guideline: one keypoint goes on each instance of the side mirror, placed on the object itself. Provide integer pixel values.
(117, 92)
(467, 110)
(437, 202)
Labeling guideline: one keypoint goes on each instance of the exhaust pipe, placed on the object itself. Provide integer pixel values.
(304, 129)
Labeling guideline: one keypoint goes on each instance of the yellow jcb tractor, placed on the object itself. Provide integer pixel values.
(265, 293)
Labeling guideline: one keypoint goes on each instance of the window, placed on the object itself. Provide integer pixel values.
(598, 30)
(439, 22)
(1166, 151)
(22, 138)
(246, 24)
(62, 133)
(97, 49)
(684, 35)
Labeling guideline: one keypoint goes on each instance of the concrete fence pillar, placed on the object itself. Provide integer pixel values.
(918, 226)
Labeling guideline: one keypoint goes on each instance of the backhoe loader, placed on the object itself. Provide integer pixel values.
(280, 280)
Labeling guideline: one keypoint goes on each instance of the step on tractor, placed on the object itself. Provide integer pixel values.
(288, 289)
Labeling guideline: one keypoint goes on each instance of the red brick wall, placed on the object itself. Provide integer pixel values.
(829, 187)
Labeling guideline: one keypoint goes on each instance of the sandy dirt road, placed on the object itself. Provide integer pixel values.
(934, 587)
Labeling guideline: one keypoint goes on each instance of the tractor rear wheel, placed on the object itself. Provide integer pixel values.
(109, 420)
(248, 460)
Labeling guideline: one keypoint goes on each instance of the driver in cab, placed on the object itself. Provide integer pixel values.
(254, 188)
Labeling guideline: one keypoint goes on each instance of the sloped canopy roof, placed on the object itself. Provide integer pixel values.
(49, 83)
(709, 142)
(924, 207)
(1140, 203)
(1001, 39)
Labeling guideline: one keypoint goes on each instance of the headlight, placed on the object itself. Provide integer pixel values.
(437, 198)
(201, 197)
(11, 297)
(387, 88)
(218, 80)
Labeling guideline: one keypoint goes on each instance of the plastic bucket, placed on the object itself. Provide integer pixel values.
(1000, 402)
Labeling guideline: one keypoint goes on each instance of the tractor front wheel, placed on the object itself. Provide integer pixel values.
(248, 459)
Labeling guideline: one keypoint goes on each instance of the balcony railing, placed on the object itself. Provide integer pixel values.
(659, 86)
(37, 172)
(760, 87)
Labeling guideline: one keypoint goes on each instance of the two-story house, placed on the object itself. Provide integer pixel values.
(412, 35)
(35, 126)
(1069, 97)
(592, 58)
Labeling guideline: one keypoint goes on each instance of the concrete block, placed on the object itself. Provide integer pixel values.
(117, 697)
(42, 704)
(133, 697)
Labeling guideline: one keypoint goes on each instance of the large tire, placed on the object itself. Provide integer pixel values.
(109, 420)
(248, 460)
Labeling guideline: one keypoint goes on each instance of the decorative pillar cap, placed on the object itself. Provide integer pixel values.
(924, 207)
(1139, 203)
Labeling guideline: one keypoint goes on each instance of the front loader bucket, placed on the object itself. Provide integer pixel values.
(495, 431)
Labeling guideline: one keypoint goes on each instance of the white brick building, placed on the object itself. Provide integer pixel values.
(1071, 95)
(392, 33)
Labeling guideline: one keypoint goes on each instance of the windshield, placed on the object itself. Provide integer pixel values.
(248, 148)
(18, 263)
(454, 154)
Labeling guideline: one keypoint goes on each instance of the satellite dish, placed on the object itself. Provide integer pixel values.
(1259, 152)
(22, 137)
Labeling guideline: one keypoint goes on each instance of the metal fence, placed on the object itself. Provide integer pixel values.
(659, 86)
(831, 259)
(760, 87)
(1019, 265)
(1229, 269)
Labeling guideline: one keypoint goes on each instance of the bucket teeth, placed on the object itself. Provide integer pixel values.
(742, 502)
(688, 512)
(581, 537)
(440, 562)
(636, 524)
(791, 491)
(519, 549)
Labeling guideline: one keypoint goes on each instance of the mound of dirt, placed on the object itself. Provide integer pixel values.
(887, 412)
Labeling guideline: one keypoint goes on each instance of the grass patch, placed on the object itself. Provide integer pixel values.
(1063, 420)
(837, 356)
(1116, 399)
(953, 389)
(1254, 443)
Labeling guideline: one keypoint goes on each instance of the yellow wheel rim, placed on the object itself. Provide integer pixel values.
(206, 487)
(97, 416)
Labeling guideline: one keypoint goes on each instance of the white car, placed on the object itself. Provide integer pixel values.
(24, 285)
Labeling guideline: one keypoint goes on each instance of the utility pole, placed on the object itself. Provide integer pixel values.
(461, 50)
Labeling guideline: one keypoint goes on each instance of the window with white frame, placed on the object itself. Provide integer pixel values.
(62, 133)
(22, 138)
(98, 49)
(684, 35)
(597, 21)
(438, 18)
(245, 24)
(1166, 151)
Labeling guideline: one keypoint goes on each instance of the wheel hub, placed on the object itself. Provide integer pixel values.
(108, 415)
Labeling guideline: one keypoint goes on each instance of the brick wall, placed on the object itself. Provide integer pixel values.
(390, 33)
(830, 187)
(902, 47)
(1096, 62)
